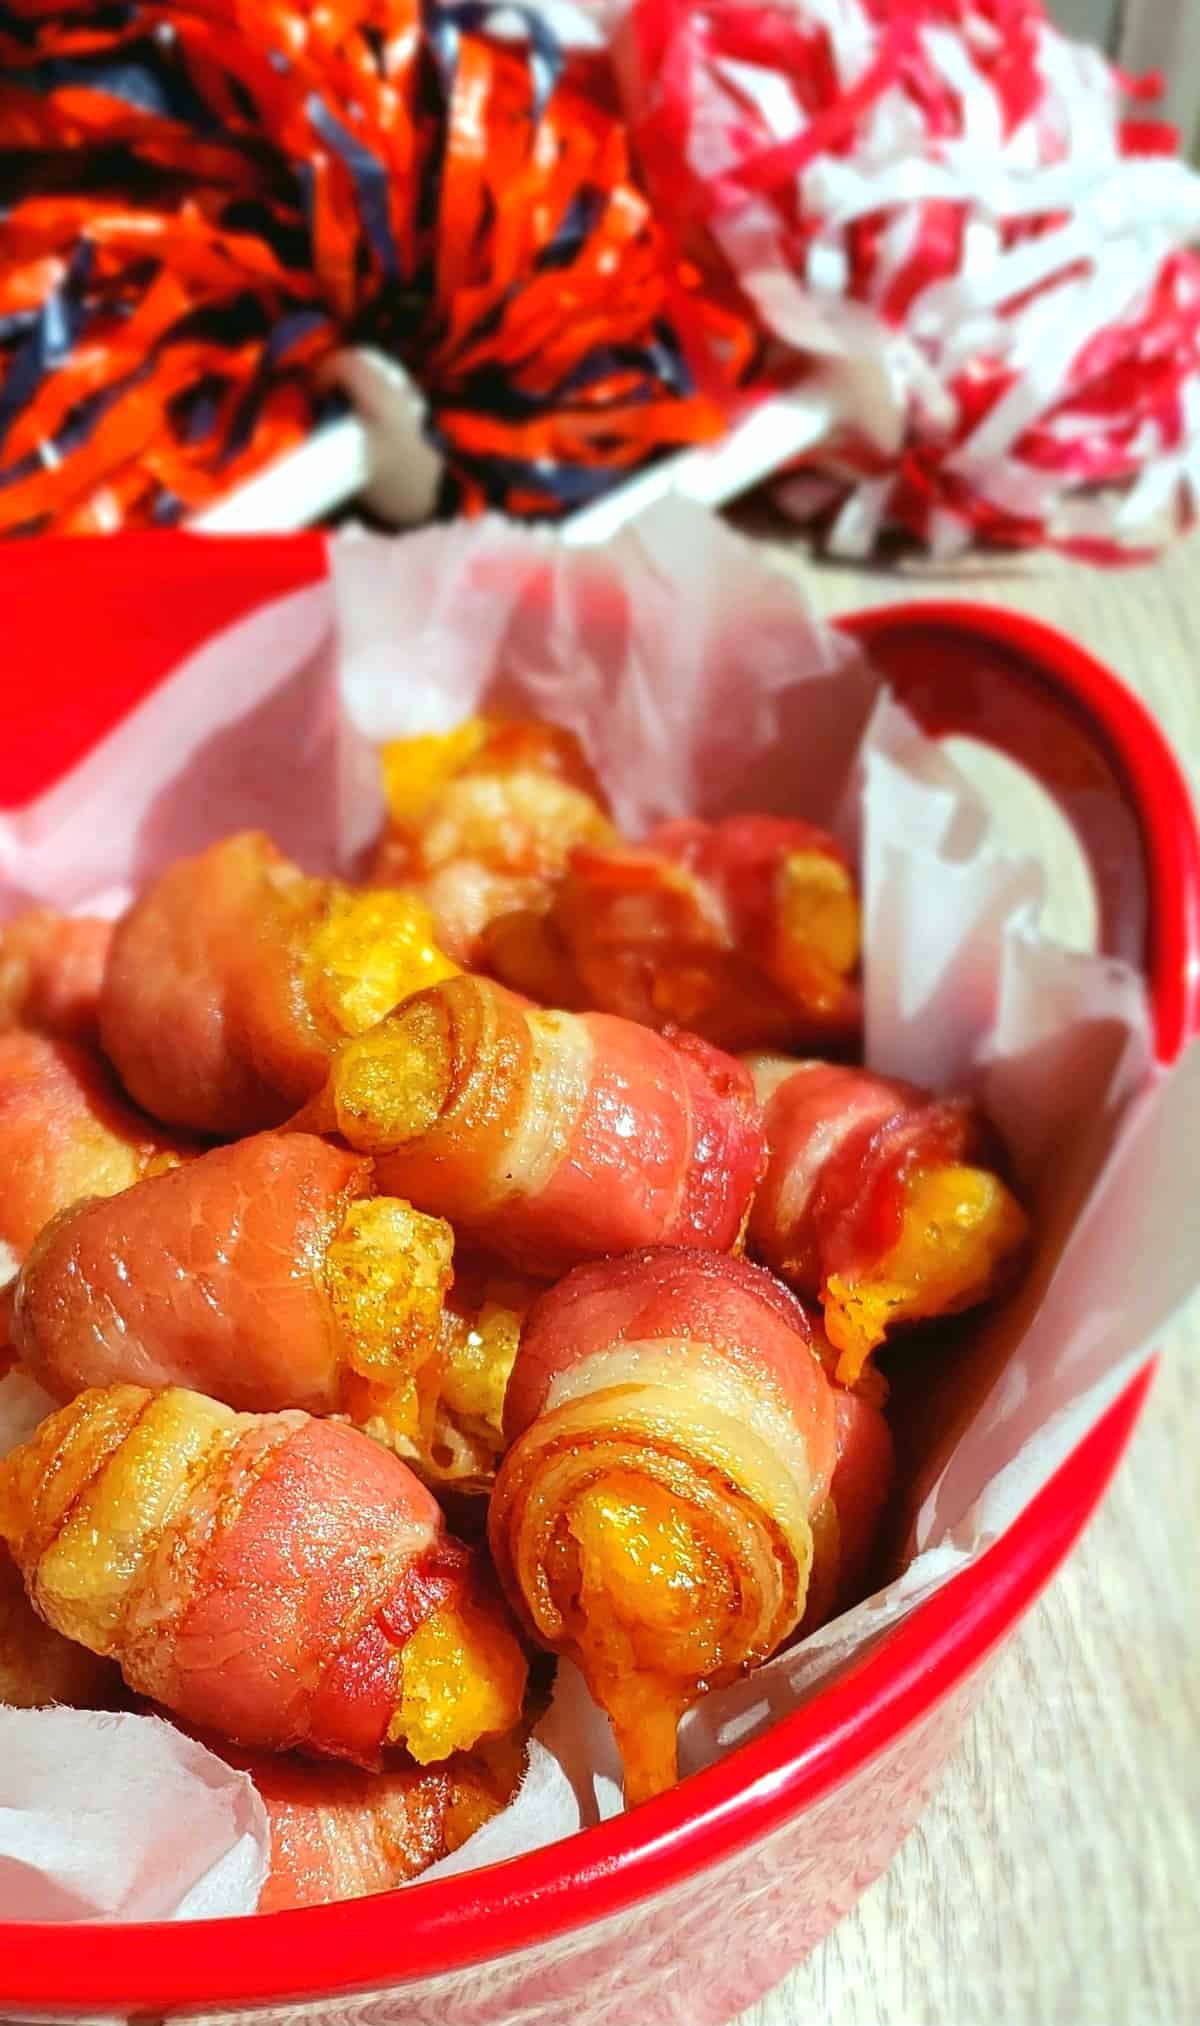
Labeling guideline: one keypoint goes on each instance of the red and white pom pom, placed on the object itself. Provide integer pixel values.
(943, 200)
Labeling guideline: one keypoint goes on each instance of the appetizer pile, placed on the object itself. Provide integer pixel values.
(480, 1262)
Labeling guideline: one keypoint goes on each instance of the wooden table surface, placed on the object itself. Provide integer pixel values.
(1055, 1878)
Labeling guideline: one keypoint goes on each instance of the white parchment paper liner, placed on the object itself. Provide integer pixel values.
(697, 676)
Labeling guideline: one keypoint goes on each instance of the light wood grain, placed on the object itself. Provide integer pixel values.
(1055, 1879)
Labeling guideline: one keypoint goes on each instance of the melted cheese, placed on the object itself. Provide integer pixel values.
(649, 1608)
(960, 1226)
(479, 1359)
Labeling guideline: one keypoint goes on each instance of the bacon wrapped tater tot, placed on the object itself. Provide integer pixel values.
(548, 1137)
(281, 1580)
(482, 819)
(339, 1833)
(879, 1200)
(267, 1273)
(233, 979)
(745, 931)
(51, 967)
(270, 1274)
(38, 1666)
(673, 1438)
(65, 1132)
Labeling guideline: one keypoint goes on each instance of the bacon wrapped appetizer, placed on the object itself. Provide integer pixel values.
(548, 1137)
(339, 1833)
(278, 1579)
(267, 1273)
(883, 1202)
(51, 967)
(64, 1133)
(482, 819)
(38, 1666)
(673, 1438)
(233, 979)
(270, 1274)
(745, 931)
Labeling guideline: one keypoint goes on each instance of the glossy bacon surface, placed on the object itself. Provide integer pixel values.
(673, 1436)
(338, 1833)
(279, 1579)
(879, 1199)
(482, 819)
(266, 1273)
(51, 966)
(745, 931)
(548, 1137)
(234, 977)
(65, 1133)
(674, 1295)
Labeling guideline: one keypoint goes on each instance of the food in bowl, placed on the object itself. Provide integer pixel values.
(338, 1832)
(484, 820)
(882, 1202)
(51, 966)
(273, 1273)
(66, 1132)
(674, 1438)
(548, 1136)
(450, 1237)
(744, 931)
(233, 978)
(279, 1578)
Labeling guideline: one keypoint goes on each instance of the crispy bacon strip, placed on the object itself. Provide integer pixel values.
(279, 1579)
(270, 1274)
(233, 979)
(65, 1132)
(548, 1137)
(267, 1273)
(880, 1200)
(482, 819)
(339, 1833)
(673, 1436)
(745, 931)
(51, 966)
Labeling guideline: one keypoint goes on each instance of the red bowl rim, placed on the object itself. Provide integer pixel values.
(1155, 784)
(450, 1923)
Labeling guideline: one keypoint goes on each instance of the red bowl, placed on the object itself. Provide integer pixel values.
(694, 1905)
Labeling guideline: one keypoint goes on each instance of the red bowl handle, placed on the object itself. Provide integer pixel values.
(1032, 693)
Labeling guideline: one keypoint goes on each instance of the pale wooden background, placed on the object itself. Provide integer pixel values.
(1145, 35)
(1055, 1879)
